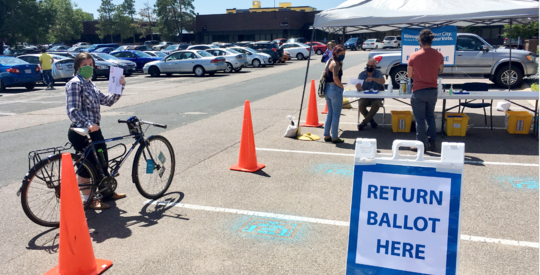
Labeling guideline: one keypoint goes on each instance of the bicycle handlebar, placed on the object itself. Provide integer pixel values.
(146, 122)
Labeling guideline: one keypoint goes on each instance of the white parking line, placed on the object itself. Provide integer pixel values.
(352, 155)
(320, 221)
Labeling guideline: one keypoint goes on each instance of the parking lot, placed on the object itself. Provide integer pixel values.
(205, 222)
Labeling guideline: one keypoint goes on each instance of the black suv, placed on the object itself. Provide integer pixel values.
(268, 48)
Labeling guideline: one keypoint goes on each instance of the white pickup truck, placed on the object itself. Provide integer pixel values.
(474, 58)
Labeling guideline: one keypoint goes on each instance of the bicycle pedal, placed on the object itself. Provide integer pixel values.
(116, 175)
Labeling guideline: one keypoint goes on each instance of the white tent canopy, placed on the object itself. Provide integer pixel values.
(358, 16)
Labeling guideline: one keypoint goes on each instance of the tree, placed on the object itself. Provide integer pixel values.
(123, 23)
(146, 21)
(38, 18)
(525, 31)
(129, 9)
(172, 16)
(106, 23)
(68, 24)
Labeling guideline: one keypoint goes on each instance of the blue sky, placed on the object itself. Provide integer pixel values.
(214, 6)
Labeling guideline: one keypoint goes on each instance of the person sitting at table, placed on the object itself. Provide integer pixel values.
(373, 79)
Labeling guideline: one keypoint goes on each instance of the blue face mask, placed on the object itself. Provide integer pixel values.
(341, 57)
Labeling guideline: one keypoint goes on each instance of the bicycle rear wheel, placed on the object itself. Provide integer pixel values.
(153, 167)
(40, 192)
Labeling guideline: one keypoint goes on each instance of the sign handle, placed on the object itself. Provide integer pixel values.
(408, 143)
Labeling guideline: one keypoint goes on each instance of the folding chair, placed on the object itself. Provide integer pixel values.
(477, 87)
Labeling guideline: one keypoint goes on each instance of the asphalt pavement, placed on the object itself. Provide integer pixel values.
(202, 225)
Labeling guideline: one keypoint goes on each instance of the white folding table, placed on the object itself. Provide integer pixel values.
(490, 95)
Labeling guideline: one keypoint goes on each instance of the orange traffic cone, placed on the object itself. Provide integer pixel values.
(247, 161)
(76, 255)
(312, 113)
(325, 109)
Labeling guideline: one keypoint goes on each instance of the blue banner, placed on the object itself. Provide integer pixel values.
(444, 41)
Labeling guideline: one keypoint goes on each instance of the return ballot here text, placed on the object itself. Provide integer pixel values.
(403, 222)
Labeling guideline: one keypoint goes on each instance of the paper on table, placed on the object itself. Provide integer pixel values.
(115, 75)
(354, 81)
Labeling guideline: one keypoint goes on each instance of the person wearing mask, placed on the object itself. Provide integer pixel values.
(46, 61)
(83, 109)
(328, 53)
(373, 80)
(424, 66)
(334, 94)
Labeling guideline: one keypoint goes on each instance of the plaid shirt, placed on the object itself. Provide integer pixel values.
(83, 100)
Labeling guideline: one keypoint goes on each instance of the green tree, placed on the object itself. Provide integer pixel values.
(123, 23)
(147, 18)
(69, 21)
(129, 9)
(38, 18)
(106, 25)
(173, 16)
(525, 31)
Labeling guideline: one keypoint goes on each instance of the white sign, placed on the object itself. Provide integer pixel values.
(446, 51)
(403, 222)
(115, 74)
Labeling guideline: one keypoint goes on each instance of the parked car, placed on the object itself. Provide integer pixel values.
(372, 43)
(58, 48)
(17, 72)
(138, 48)
(156, 54)
(298, 50)
(198, 62)
(140, 58)
(243, 43)
(97, 46)
(280, 41)
(76, 49)
(513, 42)
(129, 67)
(392, 42)
(66, 54)
(82, 44)
(162, 46)
(268, 48)
(19, 51)
(105, 50)
(353, 44)
(318, 47)
(222, 45)
(151, 43)
(202, 47)
(296, 40)
(62, 69)
(474, 58)
(254, 58)
(175, 47)
(235, 60)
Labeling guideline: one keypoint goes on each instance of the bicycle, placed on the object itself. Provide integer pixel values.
(152, 172)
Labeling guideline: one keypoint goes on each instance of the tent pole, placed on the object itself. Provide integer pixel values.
(305, 81)
(510, 63)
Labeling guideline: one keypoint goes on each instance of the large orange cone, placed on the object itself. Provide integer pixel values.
(312, 119)
(247, 161)
(325, 109)
(76, 255)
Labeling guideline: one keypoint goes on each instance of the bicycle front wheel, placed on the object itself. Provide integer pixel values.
(153, 167)
(40, 192)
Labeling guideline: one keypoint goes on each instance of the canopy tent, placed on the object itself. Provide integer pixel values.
(361, 16)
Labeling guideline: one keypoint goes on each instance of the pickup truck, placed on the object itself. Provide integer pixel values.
(475, 58)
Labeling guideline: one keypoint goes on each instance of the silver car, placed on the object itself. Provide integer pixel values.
(235, 60)
(185, 62)
(62, 67)
(129, 67)
(156, 53)
(254, 58)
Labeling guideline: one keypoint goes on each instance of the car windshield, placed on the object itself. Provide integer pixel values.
(352, 39)
(160, 54)
(389, 38)
(232, 51)
(142, 54)
(171, 47)
(204, 54)
(370, 40)
(92, 47)
(107, 56)
(72, 48)
(12, 61)
(97, 57)
(302, 45)
(251, 50)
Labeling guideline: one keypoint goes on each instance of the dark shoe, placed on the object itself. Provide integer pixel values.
(118, 196)
(374, 124)
(361, 127)
(339, 140)
(327, 139)
(97, 205)
(432, 146)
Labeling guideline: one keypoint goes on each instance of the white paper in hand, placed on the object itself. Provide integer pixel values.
(114, 80)
(354, 81)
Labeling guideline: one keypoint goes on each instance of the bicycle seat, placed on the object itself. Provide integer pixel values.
(81, 131)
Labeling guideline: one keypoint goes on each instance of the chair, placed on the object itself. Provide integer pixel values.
(477, 87)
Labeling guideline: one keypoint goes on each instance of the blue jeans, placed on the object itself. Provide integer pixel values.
(47, 77)
(334, 102)
(423, 104)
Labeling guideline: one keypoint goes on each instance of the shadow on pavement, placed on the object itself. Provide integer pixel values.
(47, 241)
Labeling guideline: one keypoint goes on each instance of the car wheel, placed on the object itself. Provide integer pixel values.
(2, 87)
(169, 75)
(271, 61)
(154, 71)
(238, 70)
(319, 52)
(300, 56)
(399, 73)
(30, 86)
(128, 75)
(229, 68)
(256, 63)
(514, 76)
(198, 71)
(212, 73)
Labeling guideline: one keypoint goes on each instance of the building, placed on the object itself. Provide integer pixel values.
(286, 6)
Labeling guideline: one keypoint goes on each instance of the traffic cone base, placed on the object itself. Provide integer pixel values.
(325, 109)
(312, 119)
(243, 169)
(312, 125)
(101, 265)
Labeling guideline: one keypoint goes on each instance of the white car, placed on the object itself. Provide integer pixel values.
(235, 60)
(197, 62)
(298, 50)
(392, 42)
(82, 44)
(62, 67)
(372, 44)
(254, 58)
